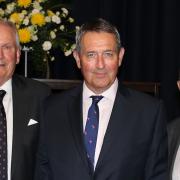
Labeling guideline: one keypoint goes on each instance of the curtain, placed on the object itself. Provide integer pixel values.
(150, 33)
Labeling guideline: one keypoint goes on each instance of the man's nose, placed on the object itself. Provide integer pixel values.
(100, 61)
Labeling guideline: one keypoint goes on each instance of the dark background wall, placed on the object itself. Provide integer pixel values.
(150, 33)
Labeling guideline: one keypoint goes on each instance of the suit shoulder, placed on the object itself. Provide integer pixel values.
(141, 97)
(65, 96)
(141, 102)
(28, 84)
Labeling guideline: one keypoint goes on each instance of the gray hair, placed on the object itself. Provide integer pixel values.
(14, 29)
(97, 25)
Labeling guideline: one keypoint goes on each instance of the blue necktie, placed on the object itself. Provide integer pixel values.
(91, 129)
(3, 139)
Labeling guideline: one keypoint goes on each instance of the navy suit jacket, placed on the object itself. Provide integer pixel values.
(134, 146)
(27, 97)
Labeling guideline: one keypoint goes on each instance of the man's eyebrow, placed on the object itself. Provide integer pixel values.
(109, 50)
(5, 44)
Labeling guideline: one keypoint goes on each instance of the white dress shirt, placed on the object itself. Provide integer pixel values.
(176, 168)
(105, 108)
(8, 106)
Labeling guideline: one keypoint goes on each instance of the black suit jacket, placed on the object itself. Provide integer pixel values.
(173, 142)
(27, 97)
(134, 147)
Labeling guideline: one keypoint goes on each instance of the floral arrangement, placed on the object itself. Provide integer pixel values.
(40, 28)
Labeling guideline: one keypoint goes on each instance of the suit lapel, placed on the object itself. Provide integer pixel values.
(115, 131)
(19, 101)
(76, 121)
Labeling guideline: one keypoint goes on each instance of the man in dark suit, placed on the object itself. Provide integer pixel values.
(131, 142)
(22, 101)
(174, 148)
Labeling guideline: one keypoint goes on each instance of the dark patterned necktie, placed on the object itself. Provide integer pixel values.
(91, 129)
(3, 139)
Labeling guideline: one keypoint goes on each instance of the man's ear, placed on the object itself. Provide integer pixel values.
(77, 58)
(121, 55)
(178, 84)
(18, 54)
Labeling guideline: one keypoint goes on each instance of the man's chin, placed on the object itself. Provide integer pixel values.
(101, 87)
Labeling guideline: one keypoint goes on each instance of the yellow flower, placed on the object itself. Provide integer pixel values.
(24, 3)
(38, 19)
(15, 18)
(50, 13)
(24, 35)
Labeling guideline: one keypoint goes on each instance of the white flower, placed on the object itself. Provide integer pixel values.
(62, 27)
(57, 13)
(36, 5)
(56, 19)
(21, 15)
(53, 30)
(73, 47)
(52, 58)
(47, 45)
(34, 11)
(65, 11)
(24, 12)
(53, 35)
(26, 21)
(71, 20)
(47, 19)
(10, 7)
(34, 38)
(68, 52)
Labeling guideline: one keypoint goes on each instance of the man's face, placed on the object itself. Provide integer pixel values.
(99, 60)
(9, 53)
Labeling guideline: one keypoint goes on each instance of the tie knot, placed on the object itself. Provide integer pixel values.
(96, 99)
(2, 94)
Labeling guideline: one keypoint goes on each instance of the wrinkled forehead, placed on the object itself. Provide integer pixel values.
(98, 41)
(7, 35)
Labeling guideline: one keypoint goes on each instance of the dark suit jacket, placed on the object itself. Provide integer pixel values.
(27, 97)
(173, 142)
(134, 147)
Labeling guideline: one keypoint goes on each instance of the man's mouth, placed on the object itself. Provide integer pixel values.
(2, 63)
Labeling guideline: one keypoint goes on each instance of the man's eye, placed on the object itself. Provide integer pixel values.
(6, 47)
(91, 55)
(108, 54)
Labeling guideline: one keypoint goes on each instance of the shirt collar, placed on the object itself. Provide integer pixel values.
(110, 93)
(7, 86)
